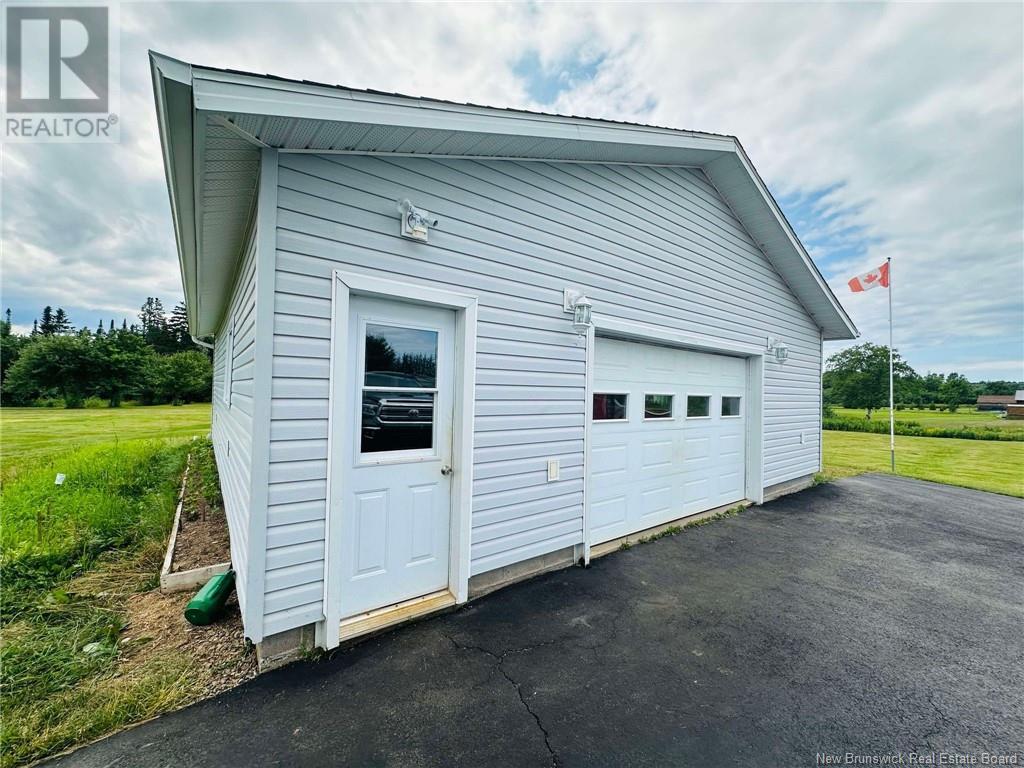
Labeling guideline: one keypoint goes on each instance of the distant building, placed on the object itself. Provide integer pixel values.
(997, 402)
(1016, 410)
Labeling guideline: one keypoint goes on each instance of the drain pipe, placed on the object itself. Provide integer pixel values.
(202, 343)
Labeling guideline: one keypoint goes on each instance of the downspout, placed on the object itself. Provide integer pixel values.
(202, 343)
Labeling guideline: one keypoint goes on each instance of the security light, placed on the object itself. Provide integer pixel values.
(581, 311)
(415, 221)
(778, 349)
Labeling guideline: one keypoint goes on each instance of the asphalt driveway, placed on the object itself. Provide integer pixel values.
(873, 615)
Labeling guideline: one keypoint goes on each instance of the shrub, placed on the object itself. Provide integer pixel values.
(94, 402)
(914, 429)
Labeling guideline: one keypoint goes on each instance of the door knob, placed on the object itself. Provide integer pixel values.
(446, 470)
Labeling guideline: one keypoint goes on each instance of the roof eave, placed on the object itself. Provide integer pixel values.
(172, 91)
(184, 91)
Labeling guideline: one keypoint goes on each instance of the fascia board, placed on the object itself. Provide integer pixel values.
(227, 93)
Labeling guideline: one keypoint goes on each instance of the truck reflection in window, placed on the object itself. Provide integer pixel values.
(399, 389)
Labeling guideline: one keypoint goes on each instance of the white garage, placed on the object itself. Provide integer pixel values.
(455, 346)
(668, 435)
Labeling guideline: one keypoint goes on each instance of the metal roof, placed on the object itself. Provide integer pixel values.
(215, 122)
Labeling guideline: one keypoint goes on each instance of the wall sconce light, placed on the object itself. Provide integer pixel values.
(415, 221)
(778, 349)
(575, 302)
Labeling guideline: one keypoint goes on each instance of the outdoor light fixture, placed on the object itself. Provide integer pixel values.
(576, 302)
(778, 349)
(415, 221)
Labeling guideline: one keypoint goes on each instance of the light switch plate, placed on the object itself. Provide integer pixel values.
(553, 467)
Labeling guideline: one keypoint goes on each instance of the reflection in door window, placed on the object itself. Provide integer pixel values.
(730, 406)
(657, 406)
(407, 355)
(399, 389)
(698, 406)
(609, 407)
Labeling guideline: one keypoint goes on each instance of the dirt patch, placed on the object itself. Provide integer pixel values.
(156, 625)
(203, 531)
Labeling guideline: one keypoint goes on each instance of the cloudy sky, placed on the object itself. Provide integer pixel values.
(883, 130)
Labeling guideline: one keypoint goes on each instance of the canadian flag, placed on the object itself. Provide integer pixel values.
(873, 279)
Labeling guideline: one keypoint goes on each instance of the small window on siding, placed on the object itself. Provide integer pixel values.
(658, 406)
(610, 407)
(731, 406)
(698, 406)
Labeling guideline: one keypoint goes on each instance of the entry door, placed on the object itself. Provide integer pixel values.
(396, 507)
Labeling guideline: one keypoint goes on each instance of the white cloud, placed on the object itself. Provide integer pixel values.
(909, 115)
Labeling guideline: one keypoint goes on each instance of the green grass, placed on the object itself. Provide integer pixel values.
(29, 434)
(965, 417)
(70, 558)
(106, 524)
(985, 465)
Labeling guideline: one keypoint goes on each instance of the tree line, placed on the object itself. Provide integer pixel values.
(858, 377)
(151, 361)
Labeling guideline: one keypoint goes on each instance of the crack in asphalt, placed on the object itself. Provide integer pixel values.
(499, 665)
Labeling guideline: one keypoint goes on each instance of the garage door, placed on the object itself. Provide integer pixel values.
(667, 437)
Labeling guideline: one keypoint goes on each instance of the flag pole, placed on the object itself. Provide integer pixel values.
(892, 418)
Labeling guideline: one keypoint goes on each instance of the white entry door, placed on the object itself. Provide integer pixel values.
(396, 486)
(668, 435)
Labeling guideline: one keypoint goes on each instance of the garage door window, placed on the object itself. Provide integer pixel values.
(698, 406)
(730, 406)
(609, 406)
(657, 406)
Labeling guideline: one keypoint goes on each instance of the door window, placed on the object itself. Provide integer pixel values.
(399, 388)
(698, 406)
(658, 406)
(730, 406)
(610, 406)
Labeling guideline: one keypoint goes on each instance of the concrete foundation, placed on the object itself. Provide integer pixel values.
(484, 583)
(284, 647)
(790, 486)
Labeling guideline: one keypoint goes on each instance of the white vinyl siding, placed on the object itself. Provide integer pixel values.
(233, 410)
(651, 245)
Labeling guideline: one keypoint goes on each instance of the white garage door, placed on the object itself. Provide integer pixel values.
(667, 438)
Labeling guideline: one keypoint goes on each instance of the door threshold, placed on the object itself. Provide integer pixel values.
(382, 618)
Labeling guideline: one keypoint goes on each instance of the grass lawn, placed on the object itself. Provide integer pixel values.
(983, 464)
(33, 433)
(965, 417)
(78, 562)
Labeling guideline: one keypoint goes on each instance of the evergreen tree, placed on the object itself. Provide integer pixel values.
(11, 345)
(99, 328)
(111, 325)
(61, 321)
(155, 328)
(124, 324)
(35, 327)
(178, 327)
(46, 324)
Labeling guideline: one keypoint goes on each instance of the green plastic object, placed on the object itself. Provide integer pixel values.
(209, 601)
